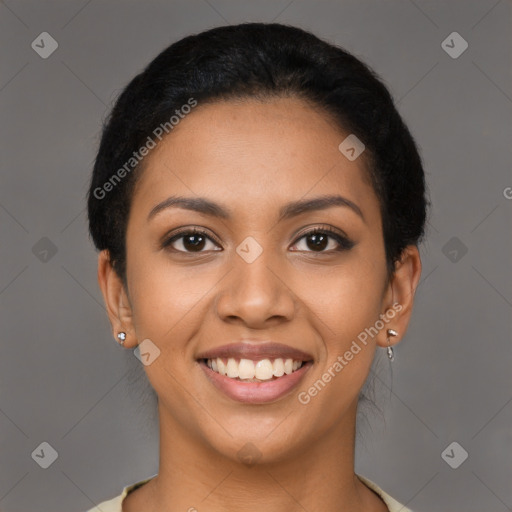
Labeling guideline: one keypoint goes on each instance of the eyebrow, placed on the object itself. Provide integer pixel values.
(293, 209)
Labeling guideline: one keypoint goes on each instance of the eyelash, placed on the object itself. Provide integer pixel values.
(344, 243)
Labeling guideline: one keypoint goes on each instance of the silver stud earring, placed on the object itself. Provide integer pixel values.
(391, 355)
(121, 337)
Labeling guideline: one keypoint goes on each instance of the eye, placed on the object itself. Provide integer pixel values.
(318, 239)
(189, 241)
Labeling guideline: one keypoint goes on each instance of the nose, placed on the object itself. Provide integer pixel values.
(255, 294)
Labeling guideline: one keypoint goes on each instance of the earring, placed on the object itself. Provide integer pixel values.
(391, 355)
(121, 336)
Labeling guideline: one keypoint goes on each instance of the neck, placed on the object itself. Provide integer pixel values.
(319, 477)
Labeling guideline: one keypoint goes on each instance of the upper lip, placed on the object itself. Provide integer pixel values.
(257, 351)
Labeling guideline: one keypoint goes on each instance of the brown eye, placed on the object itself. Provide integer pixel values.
(190, 241)
(318, 240)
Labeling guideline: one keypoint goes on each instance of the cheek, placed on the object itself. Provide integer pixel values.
(164, 297)
(347, 299)
(344, 306)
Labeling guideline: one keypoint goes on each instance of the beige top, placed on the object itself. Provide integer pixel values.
(116, 504)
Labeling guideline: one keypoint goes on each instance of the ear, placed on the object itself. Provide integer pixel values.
(116, 300)
(399, 295)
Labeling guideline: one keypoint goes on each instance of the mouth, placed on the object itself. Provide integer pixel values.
(254, 381)
(248, 370)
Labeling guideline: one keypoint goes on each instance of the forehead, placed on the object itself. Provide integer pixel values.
(252, 152)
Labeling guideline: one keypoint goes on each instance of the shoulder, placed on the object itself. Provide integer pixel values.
(116, 504)
(392, 504)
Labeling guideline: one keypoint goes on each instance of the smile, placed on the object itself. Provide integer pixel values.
(255, 382)
(247, 370)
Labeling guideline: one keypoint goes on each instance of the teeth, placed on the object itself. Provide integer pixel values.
(232, 368)
(247, 369)
(264, 370)
(278, 368)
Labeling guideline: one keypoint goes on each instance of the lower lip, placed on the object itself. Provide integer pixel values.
(256, 392)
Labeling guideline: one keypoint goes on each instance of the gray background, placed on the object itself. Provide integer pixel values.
(64, 380)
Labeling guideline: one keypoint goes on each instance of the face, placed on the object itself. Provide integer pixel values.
(266, 263)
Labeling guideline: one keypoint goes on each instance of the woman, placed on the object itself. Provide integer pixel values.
(257, 202)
